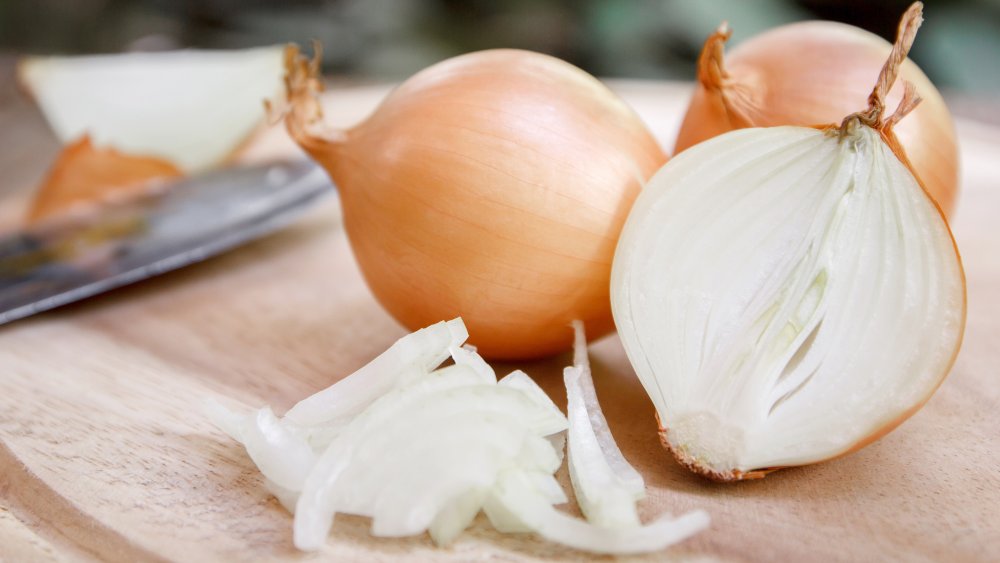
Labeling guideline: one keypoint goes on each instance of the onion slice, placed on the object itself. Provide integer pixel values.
(420, 351)
(606, 485)
(584, 394)
(522, 502)
(192, 108)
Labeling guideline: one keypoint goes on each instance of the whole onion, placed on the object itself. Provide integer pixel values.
(492, 186)
(812, 73)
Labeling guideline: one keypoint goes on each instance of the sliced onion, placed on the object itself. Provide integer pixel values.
(281, 456)
(525, 507)
(467, 356)
(624, 473)
(603, 499)
(224, 418)
(421, 351)
(456, 516)
(606, 486)
(429, 450)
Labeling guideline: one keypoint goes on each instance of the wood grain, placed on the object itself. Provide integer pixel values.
(105, 455)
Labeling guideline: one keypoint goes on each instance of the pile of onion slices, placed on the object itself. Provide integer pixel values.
(417, 447)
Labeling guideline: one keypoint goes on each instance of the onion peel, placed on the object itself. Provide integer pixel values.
(85, 176)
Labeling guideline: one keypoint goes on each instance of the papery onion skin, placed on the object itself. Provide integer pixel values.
(87, 175)
(493, 186)
(817, 72)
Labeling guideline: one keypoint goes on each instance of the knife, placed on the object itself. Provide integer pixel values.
(67, 260)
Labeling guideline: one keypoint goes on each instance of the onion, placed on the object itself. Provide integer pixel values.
(154, 116)
(418, 353)
(85, 175)
(419, 449)
(191, 108)
(788, 295)
(811, 73)
(492, 185)
(522, 502)
(606, 485)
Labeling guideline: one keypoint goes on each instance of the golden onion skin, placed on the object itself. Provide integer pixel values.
(813, 73)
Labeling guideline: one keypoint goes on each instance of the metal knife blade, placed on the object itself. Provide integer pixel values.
(194, 219)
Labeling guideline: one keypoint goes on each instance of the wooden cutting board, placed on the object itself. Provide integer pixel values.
(104, 453)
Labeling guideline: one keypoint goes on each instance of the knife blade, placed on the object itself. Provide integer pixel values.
(60, 262)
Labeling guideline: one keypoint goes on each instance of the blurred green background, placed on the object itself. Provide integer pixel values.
(958, 46)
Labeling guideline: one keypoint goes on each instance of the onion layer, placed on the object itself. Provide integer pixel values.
(492, 185)
(812, 73)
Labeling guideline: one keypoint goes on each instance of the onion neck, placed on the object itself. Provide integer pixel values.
(874, 115)
(304, 114)
(735, 94)
(711, 63)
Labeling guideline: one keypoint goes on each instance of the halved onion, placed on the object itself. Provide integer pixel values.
(787, 295)
(192, 108)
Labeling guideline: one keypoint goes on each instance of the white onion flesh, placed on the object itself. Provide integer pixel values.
(190, 107)
(263, 434)
(786, 295)
(419, 449)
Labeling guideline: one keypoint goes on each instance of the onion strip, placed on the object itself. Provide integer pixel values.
(606, 485)
(522, 502)
(424, 349)
(625, 474)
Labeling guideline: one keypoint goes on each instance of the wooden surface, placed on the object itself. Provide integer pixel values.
(105, 455)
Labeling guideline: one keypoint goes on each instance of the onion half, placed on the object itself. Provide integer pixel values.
(787, 295)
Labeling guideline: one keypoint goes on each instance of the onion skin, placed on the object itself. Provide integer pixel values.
(494, 186)
(817, 72)
(83, 174)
